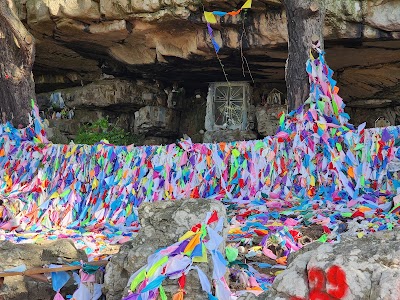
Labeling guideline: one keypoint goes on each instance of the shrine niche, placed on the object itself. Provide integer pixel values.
(229, 114)
(382, 122)
(227, 105)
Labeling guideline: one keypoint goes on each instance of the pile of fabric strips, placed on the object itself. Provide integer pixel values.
(317, 169)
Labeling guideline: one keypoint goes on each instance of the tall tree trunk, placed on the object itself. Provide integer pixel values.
(17, 87)
(305, 21)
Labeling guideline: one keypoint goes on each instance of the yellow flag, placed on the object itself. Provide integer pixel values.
(54, 195)
(210, 18)
(95, 183)
(322, 126)
(247, 4)
(187, 235)
(312, 180)
(311, 56)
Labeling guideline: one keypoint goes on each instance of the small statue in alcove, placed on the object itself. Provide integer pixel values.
(174, 95)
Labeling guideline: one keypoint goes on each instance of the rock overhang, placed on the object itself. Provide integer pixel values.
(167, 40)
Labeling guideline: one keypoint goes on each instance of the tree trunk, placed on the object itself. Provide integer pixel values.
(17, 87)
(305, 21)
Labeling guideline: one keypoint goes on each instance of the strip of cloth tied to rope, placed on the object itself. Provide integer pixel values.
(177, 260)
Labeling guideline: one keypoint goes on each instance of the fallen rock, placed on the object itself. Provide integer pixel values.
(366, 268)
(163, 223)
(13, 255)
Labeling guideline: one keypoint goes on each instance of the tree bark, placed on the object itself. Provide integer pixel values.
(17, 87)
(305, 22)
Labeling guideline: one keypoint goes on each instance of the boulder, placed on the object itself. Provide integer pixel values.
(55, 136)
(65, 126)
(383, 14)
(33, 255)
(267, 119)
(366, 268)
(163, 223)
(157, 121)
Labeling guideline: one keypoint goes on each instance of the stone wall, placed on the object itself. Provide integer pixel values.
(141, 107)
(136, 106)
(370, 115)
(147, 109)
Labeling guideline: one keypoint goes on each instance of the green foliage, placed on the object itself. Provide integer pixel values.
(103, 130)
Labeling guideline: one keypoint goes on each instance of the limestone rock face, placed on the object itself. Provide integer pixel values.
(157, 121)
(192, 119)
(157, 24)
(383, 14)
(79, 41)
(369, 115)
(116, 99)
(14, 255)
(163, 223)
(366, 268)
(125, 94)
